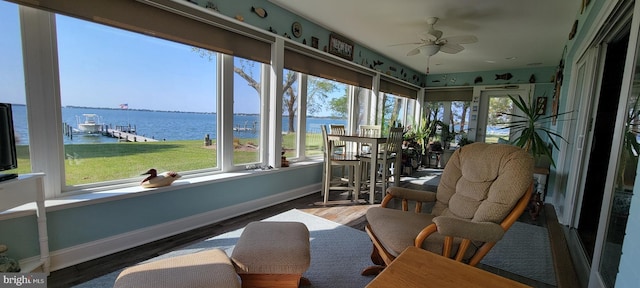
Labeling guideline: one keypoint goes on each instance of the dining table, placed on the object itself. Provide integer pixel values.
(374, 144)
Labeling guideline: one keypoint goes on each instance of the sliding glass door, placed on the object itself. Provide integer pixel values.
(601, 175)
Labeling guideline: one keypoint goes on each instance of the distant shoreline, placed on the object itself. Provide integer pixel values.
(175, 111)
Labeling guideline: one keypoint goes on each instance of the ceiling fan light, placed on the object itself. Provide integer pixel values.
(430, 50)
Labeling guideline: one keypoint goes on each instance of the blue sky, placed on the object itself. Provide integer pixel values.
(105, 67)
(11, 76)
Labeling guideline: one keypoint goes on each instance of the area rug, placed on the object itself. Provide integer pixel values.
(338, 252)
(524, 250)
(422, 179)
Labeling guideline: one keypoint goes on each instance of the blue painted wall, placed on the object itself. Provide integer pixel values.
(76, 226)
(496, 77)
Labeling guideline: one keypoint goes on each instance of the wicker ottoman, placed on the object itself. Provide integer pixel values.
(272, 254)
(210, 268)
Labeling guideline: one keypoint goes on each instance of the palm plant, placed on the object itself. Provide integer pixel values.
(531, 127)
(422, 131)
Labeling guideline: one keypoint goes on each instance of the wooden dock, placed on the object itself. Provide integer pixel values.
(128, 137)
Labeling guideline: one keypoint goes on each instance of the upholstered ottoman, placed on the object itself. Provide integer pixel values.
(272, 254)
(210, 268)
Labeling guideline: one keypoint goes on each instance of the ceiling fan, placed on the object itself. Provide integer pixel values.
(431, 41)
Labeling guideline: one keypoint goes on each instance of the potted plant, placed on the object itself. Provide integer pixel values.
(464, 140)
(447, 135)
(630, 146)
(532, 129)
(420, 133)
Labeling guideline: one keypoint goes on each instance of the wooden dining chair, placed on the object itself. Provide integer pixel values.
(364, 148)
(346, 158)
(386, 158)
(338, 129)
(368, 131)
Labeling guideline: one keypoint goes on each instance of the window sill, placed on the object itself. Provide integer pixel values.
(88, 197)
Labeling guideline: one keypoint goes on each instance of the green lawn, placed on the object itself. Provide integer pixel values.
(491, 138)
(89, 163)
(125, 160)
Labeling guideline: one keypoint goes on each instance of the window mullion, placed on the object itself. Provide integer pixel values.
(42, 93)
(225, 135)
(302, 115)
(274, 103)
(375, 102)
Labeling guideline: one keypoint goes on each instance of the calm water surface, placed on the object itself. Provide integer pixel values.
(154, 124)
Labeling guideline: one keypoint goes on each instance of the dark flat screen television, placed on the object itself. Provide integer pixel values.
(8, 156)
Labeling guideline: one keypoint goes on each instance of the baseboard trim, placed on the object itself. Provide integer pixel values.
(67, 257)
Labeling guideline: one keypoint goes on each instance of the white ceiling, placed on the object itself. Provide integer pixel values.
(511, 33)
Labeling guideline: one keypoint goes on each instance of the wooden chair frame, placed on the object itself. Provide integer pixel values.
(345, 160)
(381, 257)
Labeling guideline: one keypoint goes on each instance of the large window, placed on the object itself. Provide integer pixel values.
(12, 88)
(291, 115)
(137, 97)
(327, 103)
(451, 122)
(397, 111)
(498, 119)
(393, 111)
(247, 103)
(131, 102)
(451, 109)
(454, 124)
(364, 106)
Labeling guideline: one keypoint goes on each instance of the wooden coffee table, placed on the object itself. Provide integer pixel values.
(416, 267)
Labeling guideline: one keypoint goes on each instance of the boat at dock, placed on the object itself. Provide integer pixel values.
(91, 124)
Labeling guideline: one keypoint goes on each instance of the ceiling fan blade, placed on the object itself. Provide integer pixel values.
(414, 51)
(468, 39)
(451, 48)
(410, 43)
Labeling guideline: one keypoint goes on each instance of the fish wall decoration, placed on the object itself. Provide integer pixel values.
(505, 76)
(259, 11)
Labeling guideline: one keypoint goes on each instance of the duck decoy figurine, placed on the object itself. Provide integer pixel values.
(155, 180)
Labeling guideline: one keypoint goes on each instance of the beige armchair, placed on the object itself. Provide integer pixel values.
(483, 190)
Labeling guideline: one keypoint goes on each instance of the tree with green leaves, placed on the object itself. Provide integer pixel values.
(391, 106)
(317, 92)
(463, 107)
(338, 106)
(498, 105)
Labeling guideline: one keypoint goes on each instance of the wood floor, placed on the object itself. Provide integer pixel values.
(341, 211)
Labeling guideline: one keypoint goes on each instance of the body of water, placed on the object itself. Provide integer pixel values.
(159, 125)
